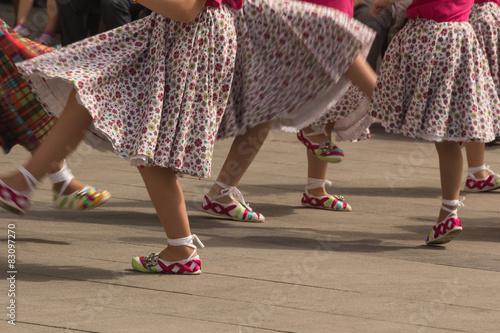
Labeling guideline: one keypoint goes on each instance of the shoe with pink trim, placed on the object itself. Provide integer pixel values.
(239, 211)
(446, 230)
(326, 151)
(330, 202)
(492, 182)
(153, 264)
(17, 201)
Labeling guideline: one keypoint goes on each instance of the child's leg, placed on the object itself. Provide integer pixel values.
(241, 154)
(475, 158)
(316, 168)
(362, 75)
(52, 16)
(62, 139)
(450, 167)
(167, 197)
(48, 36)
(224, 199)
(24, 11)
(316, 174)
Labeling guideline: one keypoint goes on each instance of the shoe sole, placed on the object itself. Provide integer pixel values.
(9, 207)
(140, 269)
(230, 217)
(478, 191)
(335, 210)
(445, 239)
(100, 203)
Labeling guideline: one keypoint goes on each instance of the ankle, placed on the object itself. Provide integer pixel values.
(176, 253)
(483, 174)
(449, 209)
(22, 181)
(216, 193)
(318, 192)
(214, 190)
(73, 186)
(316, 135)
(479, 172)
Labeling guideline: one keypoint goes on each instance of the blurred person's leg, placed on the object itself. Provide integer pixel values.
(24, 8)
(48, 36)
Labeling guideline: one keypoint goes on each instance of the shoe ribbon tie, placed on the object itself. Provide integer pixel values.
(233, 193)
(185, 241)
(317, 183)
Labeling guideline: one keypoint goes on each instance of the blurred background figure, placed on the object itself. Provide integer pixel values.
(23, 10)
(386, 26)
(81, 18)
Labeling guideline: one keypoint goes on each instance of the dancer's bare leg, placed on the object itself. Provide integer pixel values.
(24, 8)
(166, 194)
(362, 75)
(62, 139)
(475, 158)
(317, 168)
(450, 167)
(241, 154)
(52, 16)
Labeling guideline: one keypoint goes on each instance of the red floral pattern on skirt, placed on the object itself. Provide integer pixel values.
(434, 83)
(156, 88)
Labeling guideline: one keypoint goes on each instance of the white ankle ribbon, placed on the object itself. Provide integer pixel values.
(317, 183)
(185, 241)
(232, 192)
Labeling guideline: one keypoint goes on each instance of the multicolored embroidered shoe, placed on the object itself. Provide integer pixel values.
(472, 184)
(331, 202)
(22, 30)
(326, 151)
(153, 264)
(17, 201)
(47, 38)
(444, 231)
(239, 211)
(87, 198)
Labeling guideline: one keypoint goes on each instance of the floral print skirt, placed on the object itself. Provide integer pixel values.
(485, 19)
(289, 64)
(434, 84)
(350, 115)
(155, 88)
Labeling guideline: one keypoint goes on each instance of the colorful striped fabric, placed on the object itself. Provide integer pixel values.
(22, 120)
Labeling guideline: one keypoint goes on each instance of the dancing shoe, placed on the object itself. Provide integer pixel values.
(153, 264)
(492, 182)
(331, 202)
(17, 201)
(239, 211)
(326, 151)
(87, 198)
(444, 231)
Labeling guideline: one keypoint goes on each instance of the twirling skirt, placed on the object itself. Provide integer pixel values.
(350, 115)
(155, 88)
(434, 84)
(22, 119)
(485, 19)
(289, 65)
